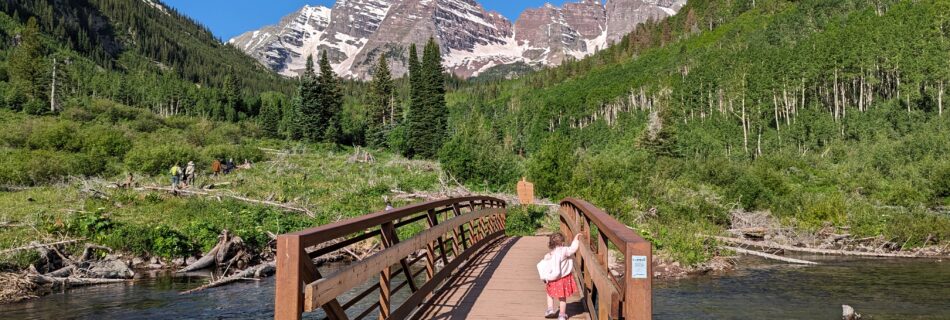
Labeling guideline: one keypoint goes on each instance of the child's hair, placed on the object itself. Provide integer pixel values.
(555, 240)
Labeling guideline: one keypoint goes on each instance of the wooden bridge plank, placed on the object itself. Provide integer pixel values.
(501, 283)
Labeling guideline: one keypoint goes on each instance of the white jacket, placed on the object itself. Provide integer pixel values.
(558, 263)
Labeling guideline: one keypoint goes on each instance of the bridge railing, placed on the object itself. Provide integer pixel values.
(627, 296)
(448, 231)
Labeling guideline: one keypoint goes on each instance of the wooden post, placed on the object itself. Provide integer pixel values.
(288, 300)
(602, 254)
(638, 281)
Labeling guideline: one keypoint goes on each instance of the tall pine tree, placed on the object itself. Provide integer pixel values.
(311, 120)
(330, 98)
(383, 108)
(272, 104)
(231, 98)
(27, 70)
(292, 119)
(428, 113)
(416, 106)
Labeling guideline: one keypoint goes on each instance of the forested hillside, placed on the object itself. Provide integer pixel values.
(825, 113)
(138, 53)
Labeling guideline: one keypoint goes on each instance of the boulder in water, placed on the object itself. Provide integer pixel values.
(847, 313)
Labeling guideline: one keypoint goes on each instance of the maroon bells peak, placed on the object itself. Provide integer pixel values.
(356, 32)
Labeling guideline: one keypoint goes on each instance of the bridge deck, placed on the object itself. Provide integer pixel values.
(501, 283)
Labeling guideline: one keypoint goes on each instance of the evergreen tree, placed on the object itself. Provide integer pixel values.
(382, 112)
(230, 98)
(292, 121)
(27, 70)
(310, 116)
(272, 105)
(428, 114)
(413, 71)
(330, 99)
(416, 105)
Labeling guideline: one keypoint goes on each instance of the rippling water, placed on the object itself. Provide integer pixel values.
(883, 289)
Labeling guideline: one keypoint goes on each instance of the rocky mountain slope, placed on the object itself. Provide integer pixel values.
(356, 32)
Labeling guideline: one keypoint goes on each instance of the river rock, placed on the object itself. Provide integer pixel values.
(109, 269)
(847, 313)
(190, 261)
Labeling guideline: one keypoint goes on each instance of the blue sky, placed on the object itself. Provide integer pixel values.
(228, 18)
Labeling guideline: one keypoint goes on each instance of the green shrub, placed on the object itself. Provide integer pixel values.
(146, 123)
(679, 239)
(524, 220)
(169, 243)
(227, 151)
(203, 232)
(202, 133)
(904, 192)
(157, 159)
(101, 141)
(398, 139)
(78, 114)
(34, 167)
(941, 180)
(139, 239)
(551, 167)
(112, 112)
(818, 208)
(472, 155)
(48, 134)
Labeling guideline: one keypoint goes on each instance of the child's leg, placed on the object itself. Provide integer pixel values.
(563, 305)
(550, 302)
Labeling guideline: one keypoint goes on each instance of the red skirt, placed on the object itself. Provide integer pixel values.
(562, 288)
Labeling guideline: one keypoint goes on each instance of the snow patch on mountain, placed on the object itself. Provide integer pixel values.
(354, 33)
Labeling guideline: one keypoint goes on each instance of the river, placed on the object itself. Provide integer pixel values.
(880, 288)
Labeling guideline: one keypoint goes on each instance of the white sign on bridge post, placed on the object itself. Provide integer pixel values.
(639, 264)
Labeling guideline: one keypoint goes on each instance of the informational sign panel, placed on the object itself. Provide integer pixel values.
(525, 191)
(639, 265)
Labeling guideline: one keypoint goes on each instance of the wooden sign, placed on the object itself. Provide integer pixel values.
(525, 191)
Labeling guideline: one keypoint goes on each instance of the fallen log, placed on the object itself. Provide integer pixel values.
(769, 256)
(72, 282)
(63, 272)
(210, 258)
(41, 245)
(258, 271)
(773, 245)
(249, 200)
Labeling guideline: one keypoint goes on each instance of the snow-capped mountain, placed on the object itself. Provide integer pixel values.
(354, 33)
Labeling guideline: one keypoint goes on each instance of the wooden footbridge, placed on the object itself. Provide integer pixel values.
(451, 259)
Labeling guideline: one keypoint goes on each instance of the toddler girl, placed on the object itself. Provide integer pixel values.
(558, 277)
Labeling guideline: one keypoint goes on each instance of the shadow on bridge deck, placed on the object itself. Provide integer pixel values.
(500, 283)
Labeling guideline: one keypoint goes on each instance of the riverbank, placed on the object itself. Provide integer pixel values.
(879, 288)
(299, 186)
